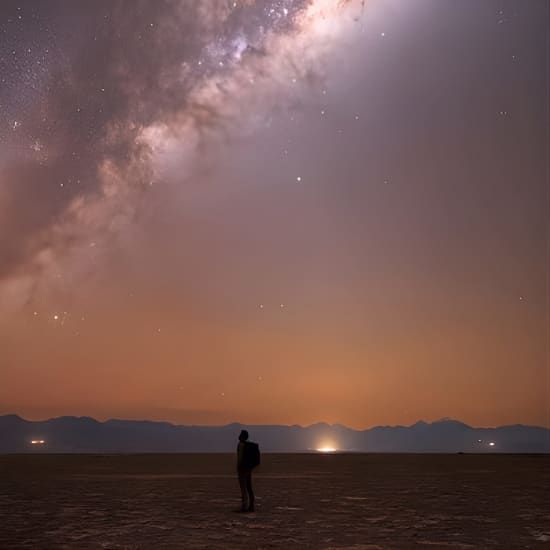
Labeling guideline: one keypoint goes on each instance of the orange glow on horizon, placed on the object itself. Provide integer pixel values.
(326, 450)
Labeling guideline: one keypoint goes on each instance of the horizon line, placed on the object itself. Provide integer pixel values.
(236, 423)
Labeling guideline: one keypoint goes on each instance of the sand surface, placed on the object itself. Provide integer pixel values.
(304, 501)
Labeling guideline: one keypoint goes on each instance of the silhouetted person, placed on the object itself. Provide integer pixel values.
(248, 457)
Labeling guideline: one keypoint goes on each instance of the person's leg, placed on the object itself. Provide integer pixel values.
(243, 486)
(250, 492)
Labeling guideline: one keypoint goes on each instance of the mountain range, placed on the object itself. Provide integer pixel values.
(69, 434)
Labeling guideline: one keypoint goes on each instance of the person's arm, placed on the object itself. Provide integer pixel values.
(240, 454)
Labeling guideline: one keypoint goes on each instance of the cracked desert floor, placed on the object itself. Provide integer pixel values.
(359, 501)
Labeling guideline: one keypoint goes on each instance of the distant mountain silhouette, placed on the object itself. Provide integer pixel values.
(70, 434)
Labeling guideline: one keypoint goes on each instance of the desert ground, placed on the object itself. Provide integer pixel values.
(354, 501)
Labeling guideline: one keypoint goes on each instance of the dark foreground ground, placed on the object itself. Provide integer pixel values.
(357, 501)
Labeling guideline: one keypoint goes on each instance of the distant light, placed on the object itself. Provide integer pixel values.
(492, 444)
(37, 442)
(326, 450)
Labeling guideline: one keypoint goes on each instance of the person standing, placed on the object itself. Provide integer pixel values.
(248, 457)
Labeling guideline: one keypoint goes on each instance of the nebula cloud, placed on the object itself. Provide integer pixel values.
(152, 79)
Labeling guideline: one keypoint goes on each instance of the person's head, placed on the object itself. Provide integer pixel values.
(243, 436)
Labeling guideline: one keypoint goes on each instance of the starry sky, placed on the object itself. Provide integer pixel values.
(275, 211)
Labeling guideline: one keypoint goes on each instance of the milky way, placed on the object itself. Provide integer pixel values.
(84, 131)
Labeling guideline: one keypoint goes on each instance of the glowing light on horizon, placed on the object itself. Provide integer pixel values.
(326, 450)
(37, 442)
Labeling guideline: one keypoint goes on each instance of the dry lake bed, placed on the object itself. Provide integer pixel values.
(354, 501)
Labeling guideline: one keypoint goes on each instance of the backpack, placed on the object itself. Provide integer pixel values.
(251, 457)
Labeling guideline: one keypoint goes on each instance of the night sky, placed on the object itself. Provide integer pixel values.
(275, 211)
